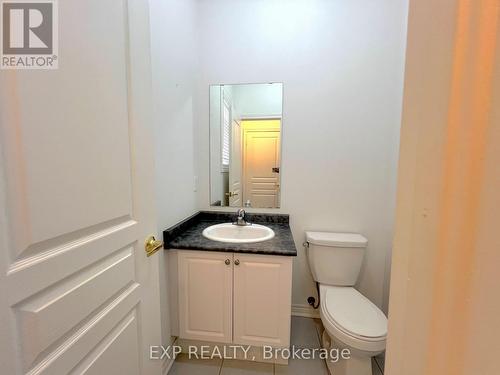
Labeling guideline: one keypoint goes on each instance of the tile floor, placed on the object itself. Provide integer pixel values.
(305, 333)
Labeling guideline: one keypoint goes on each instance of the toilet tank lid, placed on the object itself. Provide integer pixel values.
(336, 239)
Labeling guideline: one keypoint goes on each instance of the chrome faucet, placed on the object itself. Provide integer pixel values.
(241, 217)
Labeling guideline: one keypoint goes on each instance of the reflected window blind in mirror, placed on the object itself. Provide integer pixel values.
(226, 135)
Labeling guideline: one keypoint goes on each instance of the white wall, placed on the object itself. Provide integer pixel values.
(258, 100)
(174, 66)
(341, 63)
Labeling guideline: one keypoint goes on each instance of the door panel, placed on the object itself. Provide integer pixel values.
(261, 155)
(39, 320)
(74, 158)
(85, 340)
(110, 350)
(205, 296)
(262, 300)
(79, 108)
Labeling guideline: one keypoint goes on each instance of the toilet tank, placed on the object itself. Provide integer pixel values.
(335, 258)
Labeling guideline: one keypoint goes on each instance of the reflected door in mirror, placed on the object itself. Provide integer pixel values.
(261, 158)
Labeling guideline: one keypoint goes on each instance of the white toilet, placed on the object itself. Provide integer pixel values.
(350, 319)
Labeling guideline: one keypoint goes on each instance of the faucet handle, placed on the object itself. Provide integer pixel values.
(240, 220)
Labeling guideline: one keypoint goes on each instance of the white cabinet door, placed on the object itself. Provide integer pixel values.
(205, 295)
(262, 299)
(78, 294)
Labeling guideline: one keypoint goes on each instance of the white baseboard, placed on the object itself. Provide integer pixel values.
(305, 311)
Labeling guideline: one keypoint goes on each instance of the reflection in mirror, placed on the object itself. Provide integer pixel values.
(245, 138)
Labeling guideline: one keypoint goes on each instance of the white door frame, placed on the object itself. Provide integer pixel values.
(444, 311)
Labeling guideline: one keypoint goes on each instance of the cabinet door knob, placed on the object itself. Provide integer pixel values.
(228, 262)
(237, 262)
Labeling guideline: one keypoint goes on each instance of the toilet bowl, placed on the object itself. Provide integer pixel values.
(351, 320)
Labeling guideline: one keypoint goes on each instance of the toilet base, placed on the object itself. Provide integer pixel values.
(356, 365)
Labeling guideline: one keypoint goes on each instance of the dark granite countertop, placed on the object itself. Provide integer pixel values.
(187, 234)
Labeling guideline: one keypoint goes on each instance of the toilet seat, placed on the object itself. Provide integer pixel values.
(352, 318)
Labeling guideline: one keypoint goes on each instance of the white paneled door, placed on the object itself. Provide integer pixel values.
(261, 161)
(78, 294)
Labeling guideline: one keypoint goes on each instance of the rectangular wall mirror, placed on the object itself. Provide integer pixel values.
(245, 145)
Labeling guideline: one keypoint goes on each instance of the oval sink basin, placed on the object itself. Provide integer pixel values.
(228, 232)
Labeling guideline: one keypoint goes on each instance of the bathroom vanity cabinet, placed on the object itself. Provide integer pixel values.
(235, 298)
(230, 293)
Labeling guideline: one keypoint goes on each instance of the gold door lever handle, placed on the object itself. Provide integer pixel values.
(152, 245)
